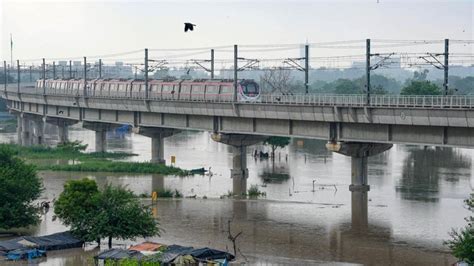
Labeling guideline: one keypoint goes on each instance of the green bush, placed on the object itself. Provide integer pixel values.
(254, 192)
(462, 242)
(177, 194)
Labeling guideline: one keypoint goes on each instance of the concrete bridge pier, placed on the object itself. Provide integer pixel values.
(19, 128)
(359, 187)
(157, 136)
(38, 136)
(239, 172)
(100, 134)
(63, 127)
(25, 139)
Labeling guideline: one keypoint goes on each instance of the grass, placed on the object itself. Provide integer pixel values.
(89, 162)
(116, 167)
(254, 192)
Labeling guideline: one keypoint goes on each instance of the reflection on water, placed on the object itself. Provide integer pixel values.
(415, 198)
(423, 169)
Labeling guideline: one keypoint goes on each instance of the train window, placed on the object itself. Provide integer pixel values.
(136, 87)
(198, 89)
(250, 88)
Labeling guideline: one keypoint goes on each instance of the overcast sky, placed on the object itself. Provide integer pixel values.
(65, 28)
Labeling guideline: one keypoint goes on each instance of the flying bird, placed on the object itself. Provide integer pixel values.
(188, 26)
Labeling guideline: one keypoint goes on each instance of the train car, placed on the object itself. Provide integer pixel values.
(184, 90)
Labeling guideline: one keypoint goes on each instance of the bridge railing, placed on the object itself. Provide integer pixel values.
(435, 101)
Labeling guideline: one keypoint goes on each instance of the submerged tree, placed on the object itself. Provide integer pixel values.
(277, 142)
(19, 188)
(121, 216)
(114, 212)
(77, 206)
(462, 242)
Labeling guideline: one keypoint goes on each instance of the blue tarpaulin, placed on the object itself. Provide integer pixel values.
(29, 254)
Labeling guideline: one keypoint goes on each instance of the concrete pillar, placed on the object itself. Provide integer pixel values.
(19, 123)
(100, 133)
(157, 136)
(100, 140)
(157, 183)
(359, 172)
(359, 187)
(63, 133)
(25, 131)
(63, 127)
(239, 172)
(359, 193)
(39, 132)
(158, 149)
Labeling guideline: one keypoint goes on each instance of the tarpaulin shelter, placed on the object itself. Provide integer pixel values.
(146, 246)
(56, 241)
(118, 254)
(175, 251)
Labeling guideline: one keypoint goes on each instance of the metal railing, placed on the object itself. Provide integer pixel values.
(357, 100)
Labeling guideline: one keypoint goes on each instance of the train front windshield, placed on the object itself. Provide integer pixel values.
(250, 89)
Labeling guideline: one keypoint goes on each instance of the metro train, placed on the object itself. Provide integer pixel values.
(190, 90)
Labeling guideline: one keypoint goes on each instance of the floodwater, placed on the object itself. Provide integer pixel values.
(415, 199)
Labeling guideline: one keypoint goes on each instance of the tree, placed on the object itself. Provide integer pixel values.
(277, 79)
(421, 88)
(346, 86)
(76, 207)
(462, 242)
(19, 188)
(122, 216)
(420, 76)
(463, 85)
(277, 142)
(114, 212)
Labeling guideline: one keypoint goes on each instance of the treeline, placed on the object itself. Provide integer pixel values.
(417, 85)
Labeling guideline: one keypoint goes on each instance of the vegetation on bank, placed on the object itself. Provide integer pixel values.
(462, 241)
(19, 188)
(88, 162)
(116, 167)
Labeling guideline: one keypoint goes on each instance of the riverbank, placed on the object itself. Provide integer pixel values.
(77, 160)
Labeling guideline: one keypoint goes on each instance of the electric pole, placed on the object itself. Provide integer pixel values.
(212, 63)
(146, 73)
(100, 68)
(54, 69)
(44, 77)
(18, 74)
(31, 74)
(5, 73)
(70, 68)
(367, 69)
(236, 69)
(446, 66)
(306, 68)
(85, 76)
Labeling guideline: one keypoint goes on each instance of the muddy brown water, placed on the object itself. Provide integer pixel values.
(415, 199)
